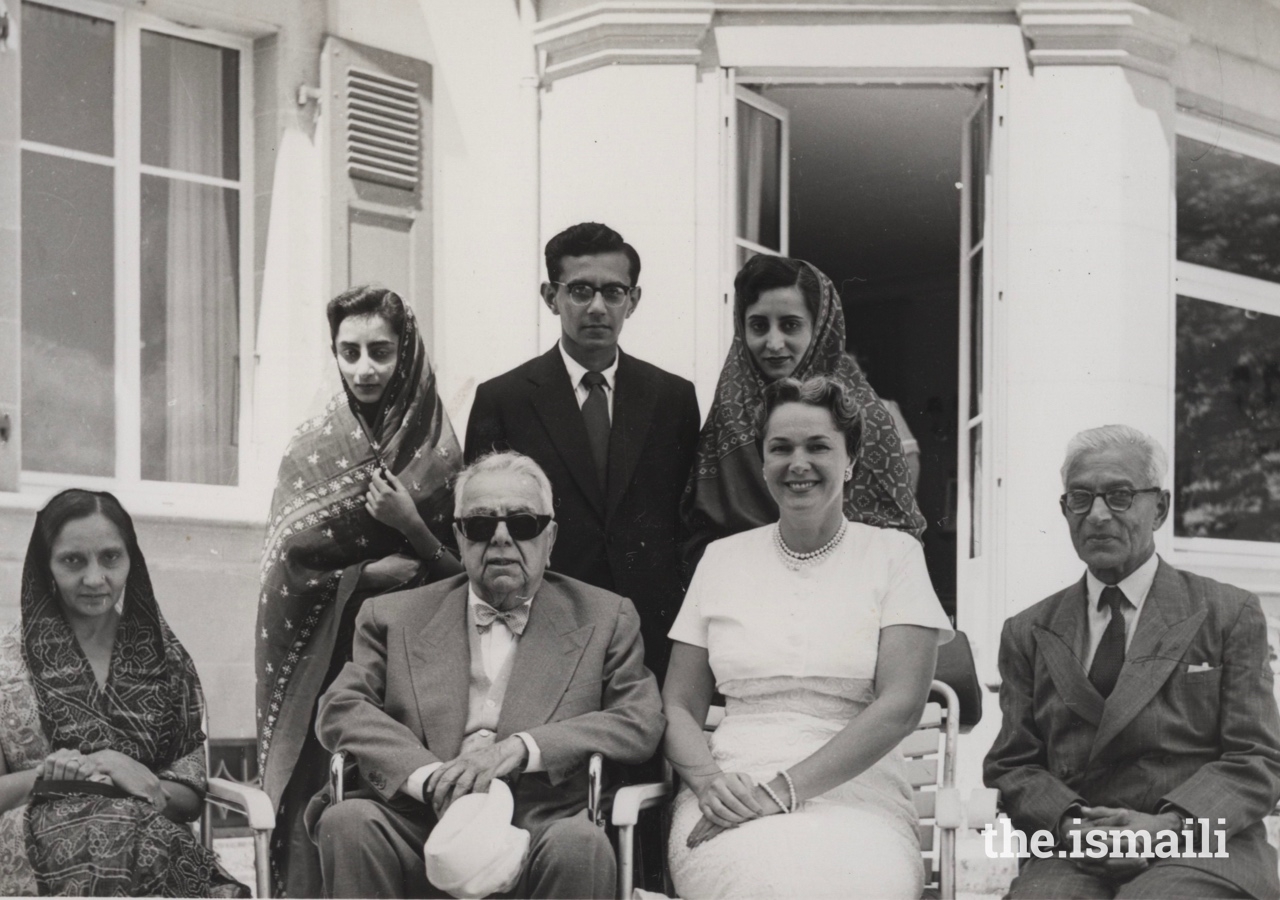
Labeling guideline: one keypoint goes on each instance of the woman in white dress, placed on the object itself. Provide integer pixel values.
(822, 635)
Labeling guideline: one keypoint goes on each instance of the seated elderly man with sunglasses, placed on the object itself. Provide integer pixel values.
(1135, 701)
(506, 672)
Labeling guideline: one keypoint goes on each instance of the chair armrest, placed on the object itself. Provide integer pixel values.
(949, 808)
(595, 788)
(255, 804)
(982, 809)
(629, 800)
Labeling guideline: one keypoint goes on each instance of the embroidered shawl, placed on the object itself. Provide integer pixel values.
(150, 707)
(726, 492)
(318, 527)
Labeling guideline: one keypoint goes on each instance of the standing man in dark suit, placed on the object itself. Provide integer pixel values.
(508, 671)
(616, 435)
(1137, 698)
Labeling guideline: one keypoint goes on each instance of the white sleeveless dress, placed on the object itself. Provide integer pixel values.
(795, 653)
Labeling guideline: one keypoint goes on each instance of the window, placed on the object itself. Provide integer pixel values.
(1227, 398)
(135, 236)
(763, 162)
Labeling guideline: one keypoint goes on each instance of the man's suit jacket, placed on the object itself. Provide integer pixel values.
(578, 685)
(1207, 741)
(626, 539)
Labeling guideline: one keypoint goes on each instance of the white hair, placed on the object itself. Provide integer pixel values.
(1155, 462)
(505, 461)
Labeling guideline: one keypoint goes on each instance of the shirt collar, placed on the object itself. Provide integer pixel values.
(577, 369)
(1135, 587)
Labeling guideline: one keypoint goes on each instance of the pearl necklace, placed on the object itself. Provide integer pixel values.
(797, 561)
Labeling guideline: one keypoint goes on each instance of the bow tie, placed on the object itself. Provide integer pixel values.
(514, 619)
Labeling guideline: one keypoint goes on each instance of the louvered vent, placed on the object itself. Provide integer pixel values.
(383, 129)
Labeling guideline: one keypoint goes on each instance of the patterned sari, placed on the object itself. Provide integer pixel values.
(726, 492)
(149, 709)
(319, 537)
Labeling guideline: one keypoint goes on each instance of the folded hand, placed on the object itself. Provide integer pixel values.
(68, 765)
(388, 501)
(728, 799)
(471, 772)
(131, 776)
(705, 830)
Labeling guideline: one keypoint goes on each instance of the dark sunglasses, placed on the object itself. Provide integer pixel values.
(521, 526)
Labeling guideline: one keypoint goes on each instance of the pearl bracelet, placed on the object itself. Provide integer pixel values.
(774, 797)
(791, 787)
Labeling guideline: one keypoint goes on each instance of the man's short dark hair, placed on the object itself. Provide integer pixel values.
(588, 239)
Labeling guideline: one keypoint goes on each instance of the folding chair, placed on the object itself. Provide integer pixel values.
(254, 805)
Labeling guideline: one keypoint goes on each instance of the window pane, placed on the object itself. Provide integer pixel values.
(1228, 210)
(190, 331)
(68, 76)
(759, 177)
(190, 106)
(1227, 446)
(68, 320)
(975, 334)
(978, 131)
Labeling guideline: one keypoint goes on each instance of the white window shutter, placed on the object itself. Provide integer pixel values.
(378, 120)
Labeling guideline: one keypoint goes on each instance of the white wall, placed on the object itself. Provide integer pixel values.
(1088, 303)
(619, 146)
(485, 180)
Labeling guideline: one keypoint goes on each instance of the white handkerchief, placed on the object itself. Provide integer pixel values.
(1200, 667)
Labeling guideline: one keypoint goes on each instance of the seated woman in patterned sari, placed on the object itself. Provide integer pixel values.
(103, 753)
(362, 501)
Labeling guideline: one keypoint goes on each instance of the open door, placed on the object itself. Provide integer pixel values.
(977, 609)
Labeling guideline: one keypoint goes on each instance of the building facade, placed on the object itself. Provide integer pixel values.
(1043, 216)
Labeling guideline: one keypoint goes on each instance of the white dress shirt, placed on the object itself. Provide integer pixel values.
(1135, 588)
(496, 645)
(577, 370)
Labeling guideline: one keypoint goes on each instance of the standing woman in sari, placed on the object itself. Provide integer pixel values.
(787, 322)
(101, 713)
(362, 499)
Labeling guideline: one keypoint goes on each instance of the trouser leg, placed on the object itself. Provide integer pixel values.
(569, 857)
(370, 850)
(1054, 878)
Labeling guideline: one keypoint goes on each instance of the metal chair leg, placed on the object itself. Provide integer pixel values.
(262, 862)
(626, 861)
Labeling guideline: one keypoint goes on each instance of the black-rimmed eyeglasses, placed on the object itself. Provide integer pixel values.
(521, 526)
(581, 293)
(1117, 499)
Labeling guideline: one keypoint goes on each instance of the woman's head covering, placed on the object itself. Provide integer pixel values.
(726, 492)
(318, 525)
(151, 706)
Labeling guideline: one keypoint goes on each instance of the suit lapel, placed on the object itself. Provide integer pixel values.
(554, 401)
(546, 658)
(1165, 629)
(440, 671)
(1061, 644)
(633, 407)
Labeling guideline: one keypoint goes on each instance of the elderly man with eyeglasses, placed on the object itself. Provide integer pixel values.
(506, 672)
(1136, 701)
